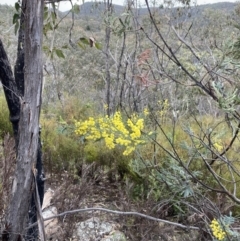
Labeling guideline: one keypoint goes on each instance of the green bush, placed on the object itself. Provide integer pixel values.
(5, 124)
(61, 150)
(112, 161)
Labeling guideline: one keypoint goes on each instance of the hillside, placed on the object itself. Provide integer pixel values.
(96, 9)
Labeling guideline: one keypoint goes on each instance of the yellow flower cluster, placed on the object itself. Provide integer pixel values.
(164, 107)
(114, 131)
(146, 111)
(217, 230)
(218, 146)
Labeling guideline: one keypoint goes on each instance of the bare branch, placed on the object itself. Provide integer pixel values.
(119, 213)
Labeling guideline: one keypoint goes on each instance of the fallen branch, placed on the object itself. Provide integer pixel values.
(117, 212)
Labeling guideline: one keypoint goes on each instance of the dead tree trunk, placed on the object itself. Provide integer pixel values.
(28, 127)
(19, 78)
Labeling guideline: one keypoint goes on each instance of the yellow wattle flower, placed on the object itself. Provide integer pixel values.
(217, 230)
(114, 130)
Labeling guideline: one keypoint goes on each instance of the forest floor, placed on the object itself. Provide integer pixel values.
(99, 192)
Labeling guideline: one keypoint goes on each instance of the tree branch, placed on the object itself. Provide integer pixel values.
(10, 88)
(120, 213)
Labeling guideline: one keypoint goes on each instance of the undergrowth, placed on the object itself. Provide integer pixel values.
(161, 174)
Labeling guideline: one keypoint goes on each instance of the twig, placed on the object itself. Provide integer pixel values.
(40, 222)
(71, 29)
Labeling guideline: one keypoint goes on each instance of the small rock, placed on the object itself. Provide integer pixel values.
(95, 229)
(115, 236)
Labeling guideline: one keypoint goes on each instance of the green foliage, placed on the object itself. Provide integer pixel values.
(84, 42)
(113, 162)
(59, 53)
(93, 152)
(55, 51)
(16, 17)
(61, 150)
(88, 28)
(76, 9)
(98, 46)
(164, 178)
(70, 110)
(5, 124)
(50, 18)
(17, 6)
(119, 24)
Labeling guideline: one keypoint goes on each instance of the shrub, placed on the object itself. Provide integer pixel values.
(61, 150)
(5, 124)
(114, 131)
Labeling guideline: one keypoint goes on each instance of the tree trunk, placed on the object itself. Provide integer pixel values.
(108, 6)
(10, 89)
(28, 132)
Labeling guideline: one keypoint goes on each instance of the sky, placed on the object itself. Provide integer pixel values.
(66, 6)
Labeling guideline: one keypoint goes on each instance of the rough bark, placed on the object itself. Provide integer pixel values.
(19, 78)
(19, 66)
(14, 90)
(29, 120)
